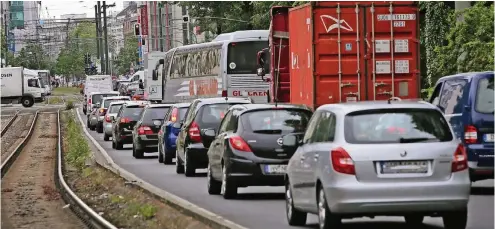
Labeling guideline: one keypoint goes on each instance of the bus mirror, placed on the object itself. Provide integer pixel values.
(154, 75)
(161, 61)
(261, 72)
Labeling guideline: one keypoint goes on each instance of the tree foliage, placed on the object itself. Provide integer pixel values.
(128, 55)
(470, 43)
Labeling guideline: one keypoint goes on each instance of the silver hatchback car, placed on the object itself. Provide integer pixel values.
(369, 159)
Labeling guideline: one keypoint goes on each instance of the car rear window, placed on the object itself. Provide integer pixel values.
(108, 101)
(484, 96)
(133, 113)
(276, 121)
(213, 113)
(182, 113)
(396, 126)
(98, 97)
(115, 108)
(154, 113)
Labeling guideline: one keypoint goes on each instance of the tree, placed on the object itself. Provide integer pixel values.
(31, 56)
(470, 42)
(128, 55)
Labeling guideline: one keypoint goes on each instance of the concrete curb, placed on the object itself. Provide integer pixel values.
(201, 213)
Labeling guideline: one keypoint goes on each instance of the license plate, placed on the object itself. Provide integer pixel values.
(488, 137)
(394, 167)
(275, 169)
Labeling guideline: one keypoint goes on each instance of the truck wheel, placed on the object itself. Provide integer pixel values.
(27, 101)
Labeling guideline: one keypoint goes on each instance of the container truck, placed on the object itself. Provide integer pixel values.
(152, 81)
(332, 52)
(18, 85)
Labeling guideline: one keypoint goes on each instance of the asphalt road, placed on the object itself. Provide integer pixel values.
(263, 207)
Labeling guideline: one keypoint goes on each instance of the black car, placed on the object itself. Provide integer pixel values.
(167, 136)
(124, 122)
(145, 134)
(247, 148)
(202, 114)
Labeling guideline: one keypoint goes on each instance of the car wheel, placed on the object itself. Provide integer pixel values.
(87, 122)
(106, 137)
(91, 127)
(189, 169)
(179, 168)
(455, 220)
(99, 128)
(118, 145)
(326, 219)
(168, 160)
(214, 186)
(228, 188)
(139, 152)
(414, 220)
(160, 154)
(294, 216)
(113, 144)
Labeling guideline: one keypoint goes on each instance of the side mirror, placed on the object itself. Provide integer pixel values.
(176, 125)
(208, 136)
(161, 61)
(261, 72)
(291, 141)
(154, 75)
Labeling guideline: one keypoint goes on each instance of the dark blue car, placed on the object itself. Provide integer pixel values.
(167, 135)
(467, 102)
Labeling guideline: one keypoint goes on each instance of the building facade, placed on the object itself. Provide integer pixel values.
(22, 18)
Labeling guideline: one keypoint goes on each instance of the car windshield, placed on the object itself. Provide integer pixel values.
(276, 121)
(108, 101)
(484, 96)
(241, 56)
(155, 113)
(396, 126)
(133, 113)
(98, 97)
(115, 108)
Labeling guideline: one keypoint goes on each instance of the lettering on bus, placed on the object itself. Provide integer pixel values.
(203, 87)
(249, 93)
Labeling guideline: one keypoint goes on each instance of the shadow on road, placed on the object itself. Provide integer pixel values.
(482, 191)
(378, 225)
(149, 157)
(260, 196)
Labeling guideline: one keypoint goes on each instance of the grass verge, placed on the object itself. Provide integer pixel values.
(126, 206)
(66, 91)
(54, 100)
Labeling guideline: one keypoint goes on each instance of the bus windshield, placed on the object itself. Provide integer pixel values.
(241, 56)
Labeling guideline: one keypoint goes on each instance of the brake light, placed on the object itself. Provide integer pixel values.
(194, 133)
(224, 93)
(173, 117)
(470, 134)
(89, 101)
(460, 159)
(145, 130)
(107, 119)
(342, 162)
(239, 144)
(125, 120)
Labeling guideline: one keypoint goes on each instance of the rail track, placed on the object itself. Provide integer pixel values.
(8, 123)
(32, 189)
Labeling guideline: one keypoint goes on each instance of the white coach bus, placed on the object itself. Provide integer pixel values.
(224, 67)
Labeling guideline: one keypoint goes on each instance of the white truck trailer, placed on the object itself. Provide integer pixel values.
(152, 85)
(18, 86)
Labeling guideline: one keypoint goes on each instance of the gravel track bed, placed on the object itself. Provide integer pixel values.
(5, 120)
(29, 196)
(16, 132)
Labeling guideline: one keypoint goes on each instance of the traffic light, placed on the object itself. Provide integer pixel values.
(136, 29)
(185, 18)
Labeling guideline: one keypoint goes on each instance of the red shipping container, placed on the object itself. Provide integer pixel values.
(353, 51)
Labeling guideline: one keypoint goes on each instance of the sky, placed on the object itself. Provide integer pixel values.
(51, 8)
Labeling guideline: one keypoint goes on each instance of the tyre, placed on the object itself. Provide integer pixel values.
(294, 216)
(106, 137)
(160, 154)
(414, 220)
(326, 219)
(228, 188)
(99, 128)
(87, 122)
(118, 145)
(179, 168)
(455, 220)
(214, 186)
(27, 102)
(189, 169)
(168, 160)
(113, 145)
(139, 152)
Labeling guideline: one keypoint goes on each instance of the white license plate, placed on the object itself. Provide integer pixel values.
(275, 169)
(488, 137)
(393, 167)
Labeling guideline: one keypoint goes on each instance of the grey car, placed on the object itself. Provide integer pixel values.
(377, 159)
(97, 116)
(112, 111)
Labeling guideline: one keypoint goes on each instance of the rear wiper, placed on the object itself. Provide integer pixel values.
(412, 140)
(276, 131)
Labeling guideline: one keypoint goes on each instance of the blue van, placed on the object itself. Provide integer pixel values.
(169, 131)
(467, 102)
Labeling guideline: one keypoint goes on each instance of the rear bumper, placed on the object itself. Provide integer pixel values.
(480, 161)
(248, 173)
(353, 197)
(198, 155)
(125, 138)
(107, 128)
(147, 143)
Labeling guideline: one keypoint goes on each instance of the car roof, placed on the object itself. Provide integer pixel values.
(253, 107)
(107, 92)
(135, 103)
(223, 100)
(345, 108)
(182, 105)
(467, 75)
(116, 97)
(151, 105)
(117, 102)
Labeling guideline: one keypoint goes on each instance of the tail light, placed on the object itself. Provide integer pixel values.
(107, 119)
(160, 132)
(89, 101)
(125, 120)
(470, 134)
(342, 162)
(103, 111)
(239, 144)
(460, 159)
(224, 93)
(145, 130)
(194, 132)
(175, 113)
